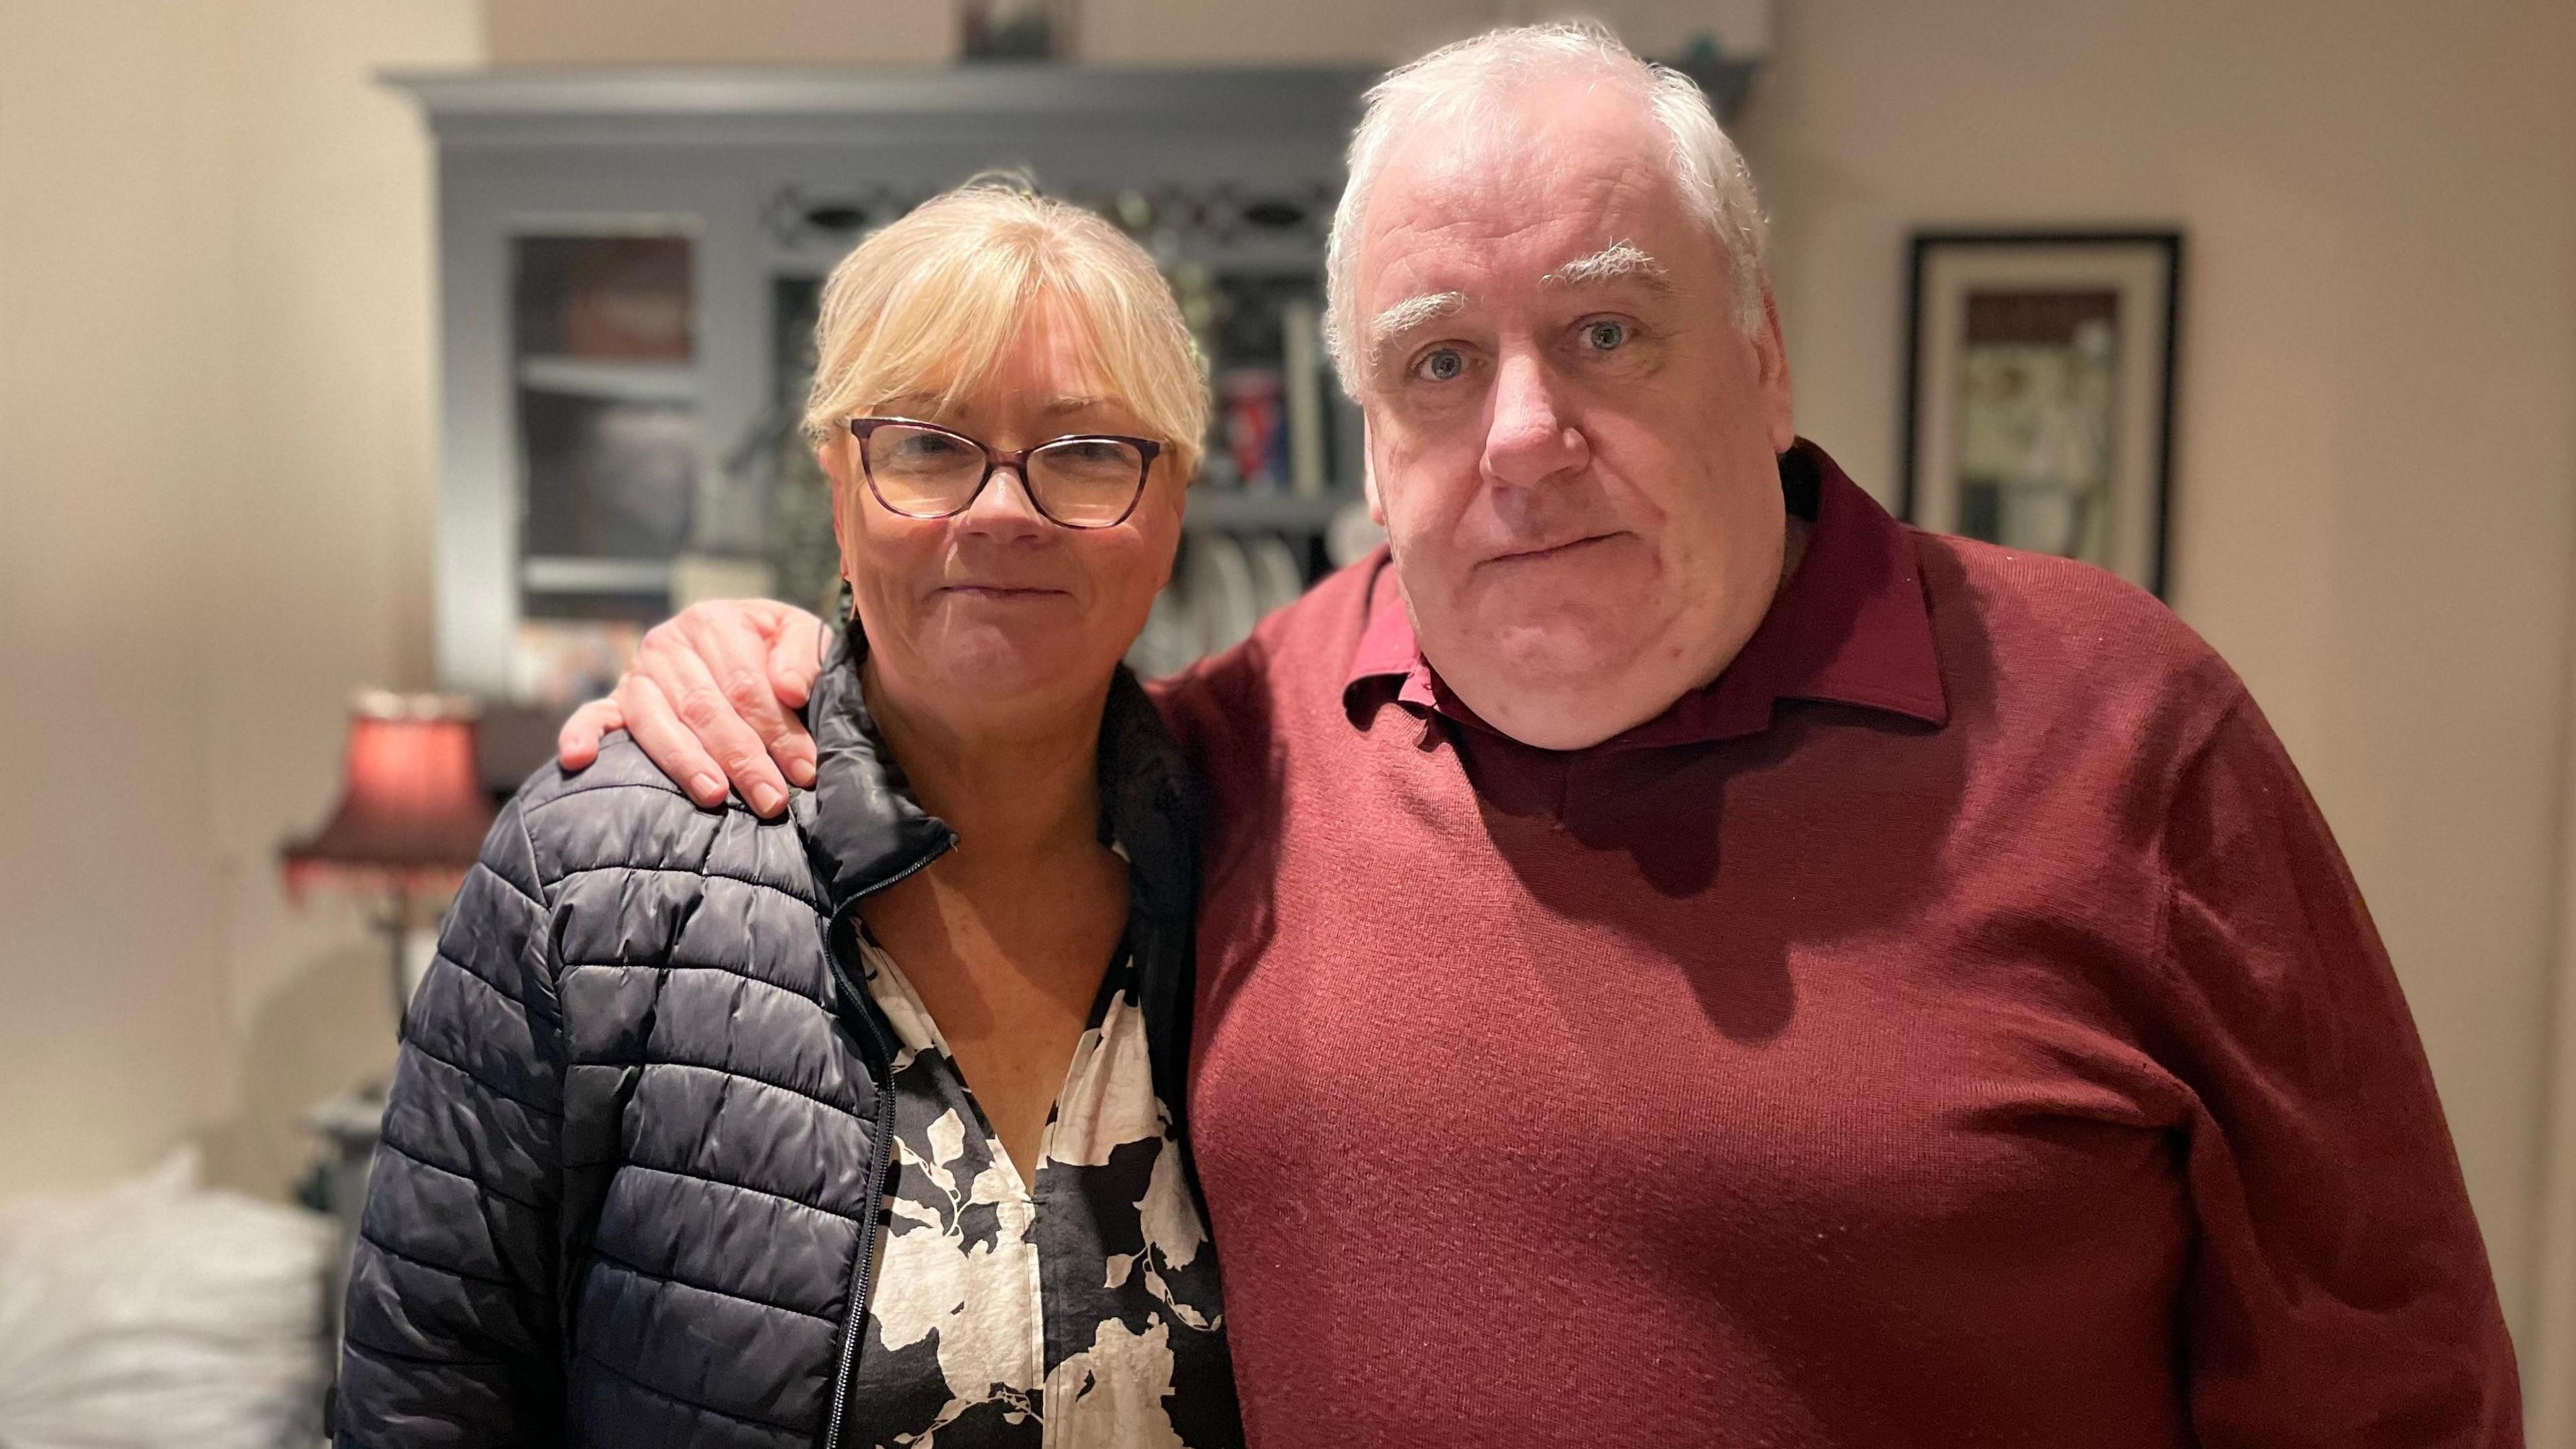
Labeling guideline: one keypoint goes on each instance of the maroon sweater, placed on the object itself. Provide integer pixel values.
(1953, 1026)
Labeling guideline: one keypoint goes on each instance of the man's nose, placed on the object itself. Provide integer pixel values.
(1528, 439)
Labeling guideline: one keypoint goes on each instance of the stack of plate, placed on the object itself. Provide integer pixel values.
(1221, 588)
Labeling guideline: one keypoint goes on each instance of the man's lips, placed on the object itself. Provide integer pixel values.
(1554, 550)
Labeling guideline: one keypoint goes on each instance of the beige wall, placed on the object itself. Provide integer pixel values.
(1364, 32)
(1108, 32)
(106, 986)
(743, 32)
(2378, 409)
(215, 370)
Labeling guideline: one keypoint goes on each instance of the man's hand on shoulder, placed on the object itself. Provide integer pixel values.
(712, 698)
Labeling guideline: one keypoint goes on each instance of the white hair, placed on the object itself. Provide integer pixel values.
(1470, 84)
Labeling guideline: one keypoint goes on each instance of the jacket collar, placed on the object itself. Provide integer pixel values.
(864, 829)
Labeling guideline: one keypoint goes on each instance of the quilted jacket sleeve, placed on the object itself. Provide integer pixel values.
(452, 1332)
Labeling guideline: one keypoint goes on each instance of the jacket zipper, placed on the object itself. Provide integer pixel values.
(863, 1266)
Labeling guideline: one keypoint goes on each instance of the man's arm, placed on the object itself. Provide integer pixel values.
(2340, 1293)
(712, 698)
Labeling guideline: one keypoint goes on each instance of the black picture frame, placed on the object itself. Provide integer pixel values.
(2059, 274)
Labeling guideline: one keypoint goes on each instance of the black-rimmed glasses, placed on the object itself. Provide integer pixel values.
(1088, 480)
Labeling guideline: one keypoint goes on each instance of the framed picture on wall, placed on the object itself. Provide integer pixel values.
(2039, 392)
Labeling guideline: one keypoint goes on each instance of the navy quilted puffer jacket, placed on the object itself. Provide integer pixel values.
(631, 1169)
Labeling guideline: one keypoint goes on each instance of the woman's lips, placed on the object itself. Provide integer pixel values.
(1000, 591)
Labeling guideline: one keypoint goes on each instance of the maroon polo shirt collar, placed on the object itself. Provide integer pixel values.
(1850, 628)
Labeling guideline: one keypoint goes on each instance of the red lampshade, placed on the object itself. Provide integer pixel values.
(412, 808)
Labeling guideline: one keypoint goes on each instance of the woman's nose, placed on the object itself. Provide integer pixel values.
(1005, 505)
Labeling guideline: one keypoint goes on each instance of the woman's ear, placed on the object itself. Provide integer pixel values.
(1180, 530)
(835, 462)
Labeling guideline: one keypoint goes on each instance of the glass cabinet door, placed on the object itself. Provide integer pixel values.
(604, 350)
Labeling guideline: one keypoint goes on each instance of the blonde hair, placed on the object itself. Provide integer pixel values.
(932, 304)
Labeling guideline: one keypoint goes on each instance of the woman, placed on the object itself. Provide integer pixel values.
(862, 1127)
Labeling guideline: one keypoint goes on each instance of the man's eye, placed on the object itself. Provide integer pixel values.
(1605, 336)
(1440, 364)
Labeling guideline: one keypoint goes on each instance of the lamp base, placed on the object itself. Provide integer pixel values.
(414, 950)
(411, 943)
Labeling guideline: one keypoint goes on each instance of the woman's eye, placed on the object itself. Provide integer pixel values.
(927, 448)
(1604, 336)
(1441, 364)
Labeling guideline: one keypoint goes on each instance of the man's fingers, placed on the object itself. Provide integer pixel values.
(577, 743)
(735, 647)
(667, 742)
(793, 660)
(701, 705)
(796, 654)
(712, 697)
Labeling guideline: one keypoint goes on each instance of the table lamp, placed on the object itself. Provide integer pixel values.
(411, 817)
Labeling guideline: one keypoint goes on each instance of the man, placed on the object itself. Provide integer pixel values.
(1685, 959)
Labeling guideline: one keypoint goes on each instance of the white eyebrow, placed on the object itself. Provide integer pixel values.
(1391, 324)
(1620, 261)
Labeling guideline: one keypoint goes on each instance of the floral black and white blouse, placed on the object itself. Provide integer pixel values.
(1080, 1311)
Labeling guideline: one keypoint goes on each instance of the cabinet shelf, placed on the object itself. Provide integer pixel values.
(1215, 509)
(565, 575)
(611, 380)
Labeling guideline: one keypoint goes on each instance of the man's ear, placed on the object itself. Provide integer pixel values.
(1771, 372)
(1368, 472)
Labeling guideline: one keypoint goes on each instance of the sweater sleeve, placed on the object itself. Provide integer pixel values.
(451, 1329)
(2340, 1293)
